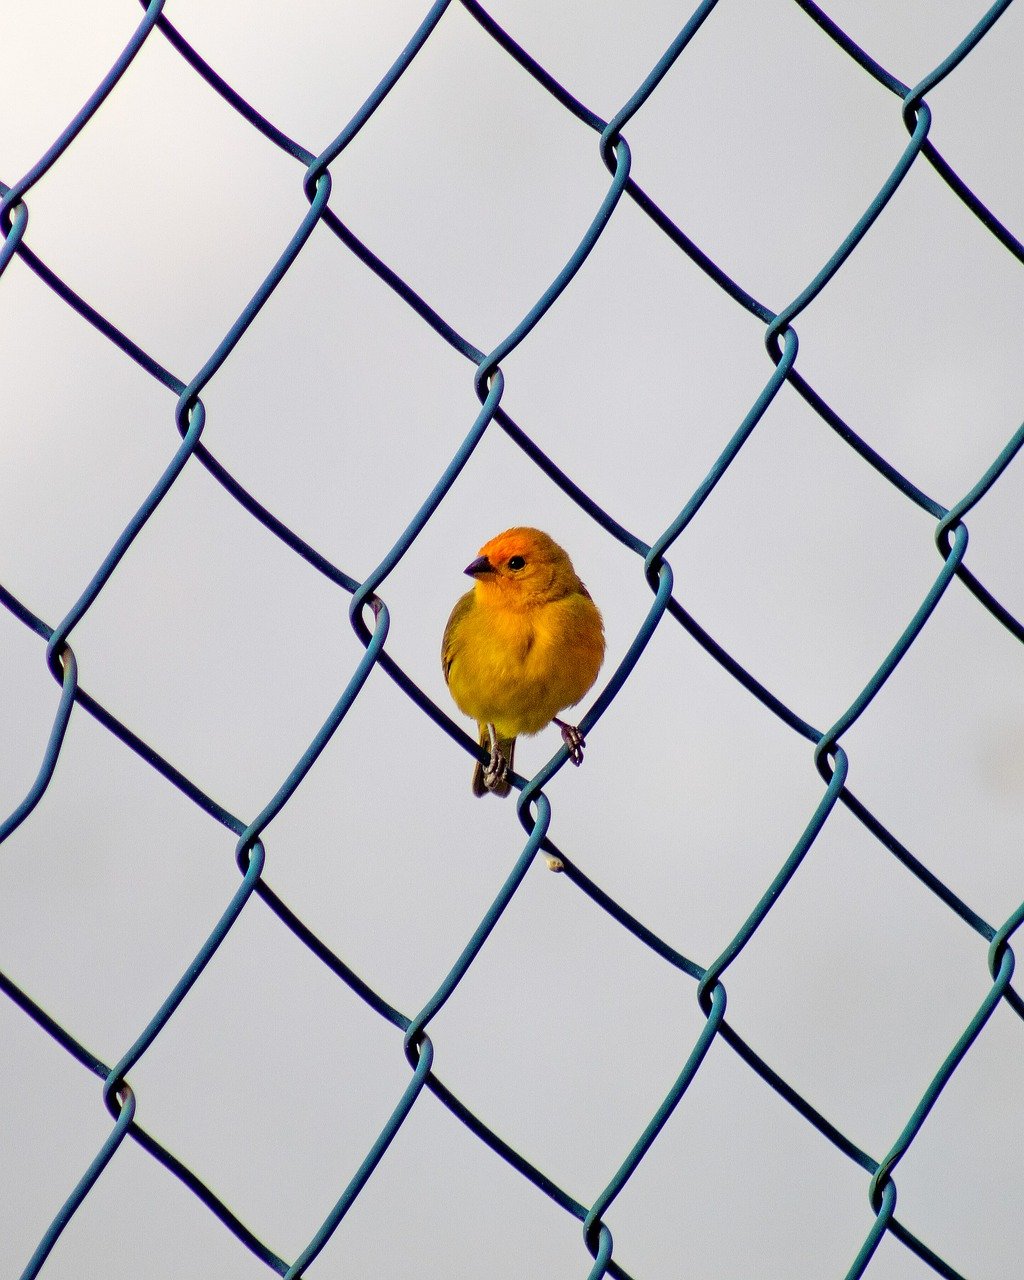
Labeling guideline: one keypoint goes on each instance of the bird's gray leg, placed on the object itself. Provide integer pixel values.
(573, 739)
(497, 767)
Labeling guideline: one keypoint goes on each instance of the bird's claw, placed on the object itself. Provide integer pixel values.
(495, 771)
(574, 740)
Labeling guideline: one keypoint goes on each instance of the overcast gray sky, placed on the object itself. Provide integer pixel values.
(339, 410)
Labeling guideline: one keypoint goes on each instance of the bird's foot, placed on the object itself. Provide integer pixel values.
(496, 769)
(495, 772)
(573, 739)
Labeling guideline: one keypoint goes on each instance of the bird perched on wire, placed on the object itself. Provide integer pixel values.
(524, 643)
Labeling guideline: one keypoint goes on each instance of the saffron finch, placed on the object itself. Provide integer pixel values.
(525, 642)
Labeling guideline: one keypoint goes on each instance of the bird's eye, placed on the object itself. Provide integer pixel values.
(517, 562)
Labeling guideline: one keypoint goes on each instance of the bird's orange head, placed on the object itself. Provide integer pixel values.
(523, 566)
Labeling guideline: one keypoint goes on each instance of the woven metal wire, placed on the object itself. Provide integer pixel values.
(370, 618)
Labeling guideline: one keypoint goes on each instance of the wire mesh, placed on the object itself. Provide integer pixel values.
(371, 621)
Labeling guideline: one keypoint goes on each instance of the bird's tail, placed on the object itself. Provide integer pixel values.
(507, 751)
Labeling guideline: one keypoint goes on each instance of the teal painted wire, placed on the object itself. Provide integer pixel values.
(881, 1224)
(860, 229)
(954, 58)
(16, 193)
(941, 1078)
(69, 683)
(202, 455)
(714, 971)
(567, 273)
(882, 1189)
(658, 1121)
(482, 932)
(13, 213)
(132, 530)
(949, 523)
(191, 417)
(380, 92)
(602, 1254)
(370, 1162)
(610, 133)
(13, 234)
(898, 652)
(903, 91)
(725, 459)
(125, 1114)
(145, 1140)
(52, 1027)
(534, 810)
(188, 979)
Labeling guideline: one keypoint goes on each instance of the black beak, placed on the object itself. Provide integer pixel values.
(480, 565)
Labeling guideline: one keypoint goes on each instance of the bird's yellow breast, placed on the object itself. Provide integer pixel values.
(516, 668)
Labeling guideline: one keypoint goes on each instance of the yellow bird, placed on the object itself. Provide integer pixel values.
(524, 643)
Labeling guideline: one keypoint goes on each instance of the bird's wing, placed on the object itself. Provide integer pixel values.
(451, 641)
